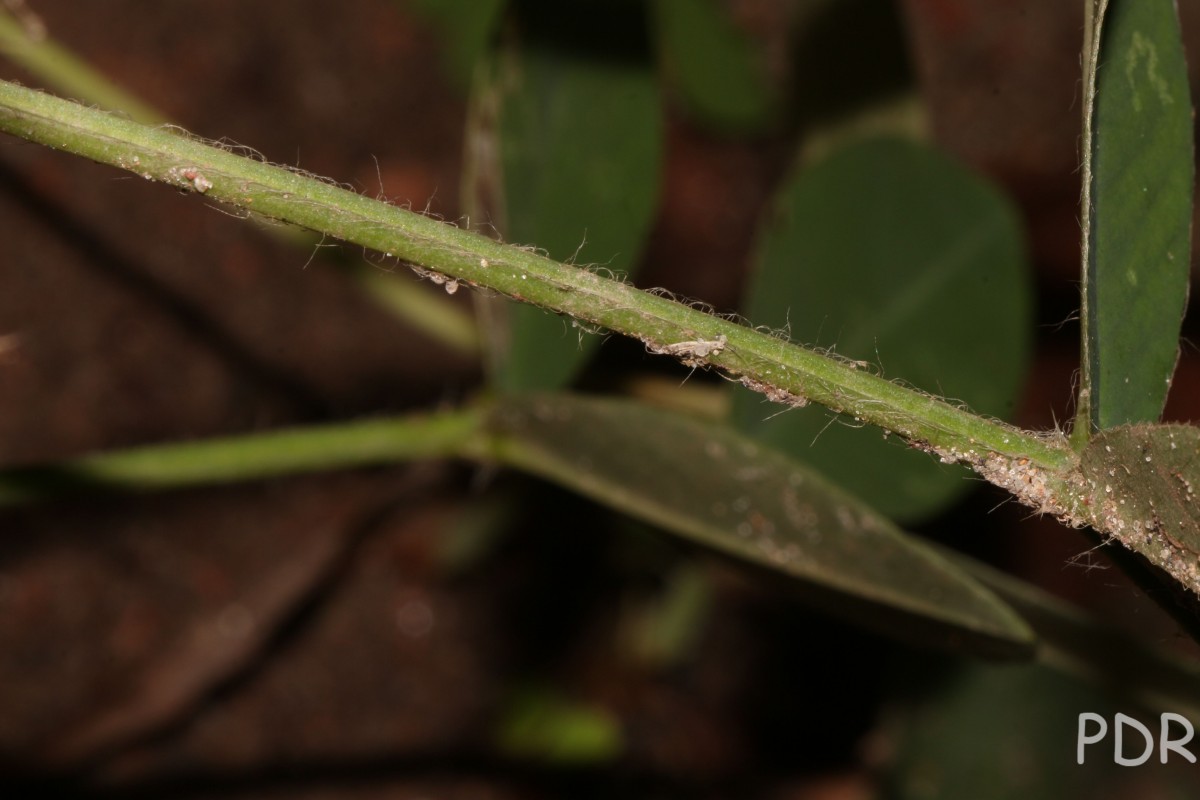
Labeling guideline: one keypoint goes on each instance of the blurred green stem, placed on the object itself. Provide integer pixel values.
(425, 311)
(58, 67)
(450, 256)
(252, 456)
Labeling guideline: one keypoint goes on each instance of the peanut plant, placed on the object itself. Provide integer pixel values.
(745, 484)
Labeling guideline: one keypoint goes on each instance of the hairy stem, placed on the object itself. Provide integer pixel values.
(784, 372)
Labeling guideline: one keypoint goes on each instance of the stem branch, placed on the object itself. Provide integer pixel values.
(784, 372)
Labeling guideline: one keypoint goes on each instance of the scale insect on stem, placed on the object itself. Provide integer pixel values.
(693, 351)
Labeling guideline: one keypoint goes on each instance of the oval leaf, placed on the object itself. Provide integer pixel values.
(1087, 647)
(889, 253)
(1142, 482)
(579, 141)
(1138, 174)
(466, 27)
(710, 485)
(714, 67)
(1027, 719)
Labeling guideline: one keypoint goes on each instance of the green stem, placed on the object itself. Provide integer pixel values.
(247, 457)
(784, 372)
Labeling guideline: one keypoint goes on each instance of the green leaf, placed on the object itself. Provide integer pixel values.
(662, 631)
(545, 725)
(1143, 482)
(710, 485)
(466, 26)
(1083, 646)
(1138, 175)
(1026, 719)
(713, 65)
(891, 254)
(579, 139)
